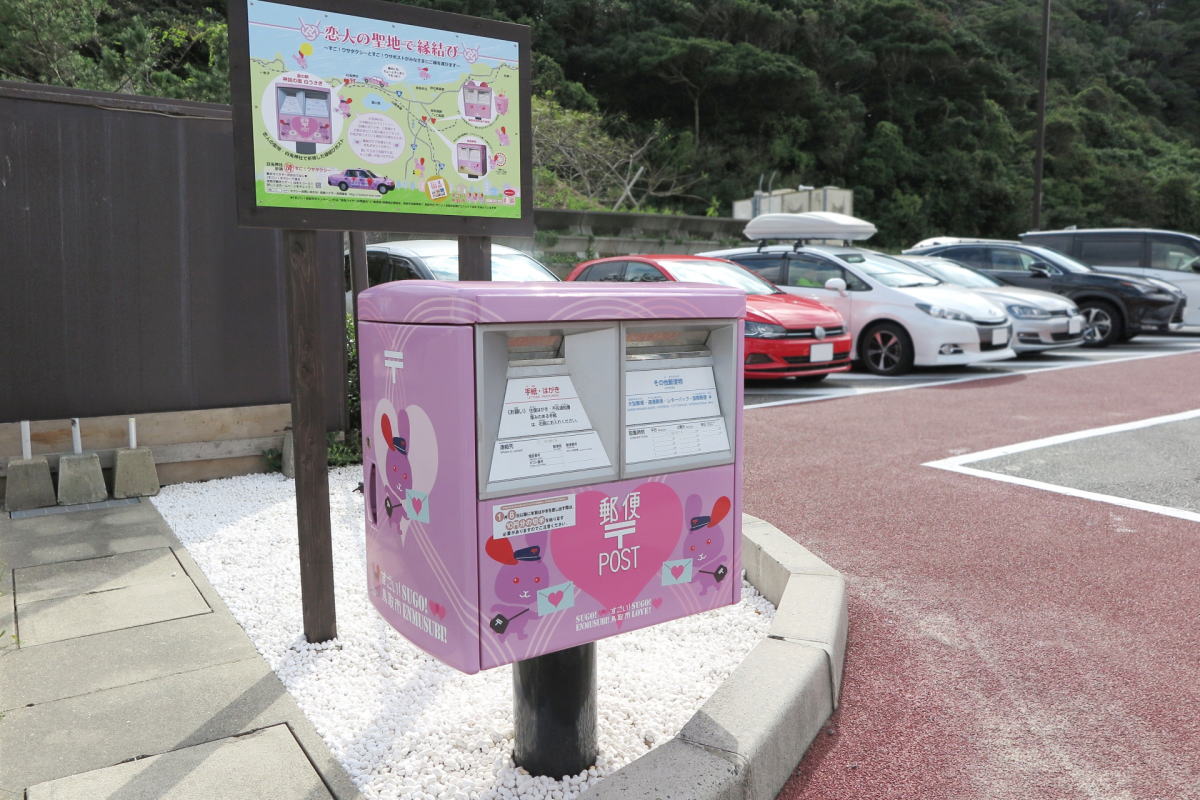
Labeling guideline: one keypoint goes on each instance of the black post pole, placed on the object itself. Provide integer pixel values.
(308, 430)
(554, 712)
(474, 258)
(1040, 157)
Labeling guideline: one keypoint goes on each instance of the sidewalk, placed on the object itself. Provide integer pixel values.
(131, 679)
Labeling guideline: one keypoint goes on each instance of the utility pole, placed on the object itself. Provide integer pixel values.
(1040, 157)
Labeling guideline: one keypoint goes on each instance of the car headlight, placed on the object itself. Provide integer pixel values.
(1143, 288)
(1165, 286)
(764, 330)
(1027, 312)
(942, 312)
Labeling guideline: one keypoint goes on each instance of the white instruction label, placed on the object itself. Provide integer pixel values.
(537, 406)
(662, 395)
(674, 439)
(533, 516)
(544, 455)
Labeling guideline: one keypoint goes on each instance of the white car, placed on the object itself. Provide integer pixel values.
(437, 260)
(1041, 320)
(899, 317)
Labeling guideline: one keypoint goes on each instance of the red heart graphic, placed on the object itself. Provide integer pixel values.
(676, 571)
(656, 602)
(719, 510)
(417, 503)
(433, 120)
(555, 597)
(438, 610)
(424, 119)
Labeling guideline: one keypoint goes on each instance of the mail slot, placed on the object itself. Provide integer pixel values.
(545, 465)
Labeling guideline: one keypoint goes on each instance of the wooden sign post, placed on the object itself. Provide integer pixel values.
(365, 115)
(308, 434)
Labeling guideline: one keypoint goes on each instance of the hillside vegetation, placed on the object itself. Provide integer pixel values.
(925, 108)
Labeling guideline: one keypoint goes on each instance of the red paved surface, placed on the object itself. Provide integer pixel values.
(1005, 642)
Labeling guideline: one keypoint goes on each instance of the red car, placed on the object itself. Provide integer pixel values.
(786, 336)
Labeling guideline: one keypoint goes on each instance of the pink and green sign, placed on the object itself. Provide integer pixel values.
(375, 110)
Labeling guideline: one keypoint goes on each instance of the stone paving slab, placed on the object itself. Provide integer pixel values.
(68, 578)
(77, 734)
(62, 618)
(265, 764)
(7, 616)
(74, 667)
(126, 696)
(83, 534)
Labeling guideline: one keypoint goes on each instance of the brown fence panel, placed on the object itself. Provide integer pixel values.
(125, 284)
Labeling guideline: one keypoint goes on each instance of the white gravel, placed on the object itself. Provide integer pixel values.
(401, 723)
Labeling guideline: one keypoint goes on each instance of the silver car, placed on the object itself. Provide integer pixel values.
(1041, 320)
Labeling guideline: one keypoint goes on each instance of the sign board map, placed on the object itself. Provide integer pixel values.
(343, 116)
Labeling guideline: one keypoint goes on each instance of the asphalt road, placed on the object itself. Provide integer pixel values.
(1006, 641)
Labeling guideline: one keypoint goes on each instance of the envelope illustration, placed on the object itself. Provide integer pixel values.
(416, 505)
(555, 598)
(674, 572)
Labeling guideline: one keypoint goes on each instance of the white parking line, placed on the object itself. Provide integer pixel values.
(834, 393)
(958, 464)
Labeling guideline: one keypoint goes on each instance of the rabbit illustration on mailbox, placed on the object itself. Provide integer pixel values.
(704, 542)
(397, 473)
(518, 582)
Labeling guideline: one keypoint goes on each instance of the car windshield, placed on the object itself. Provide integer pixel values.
(505, 267)
(887, 270)
(368, 174)
(720, 274)
(1059, 259)
(957, 274)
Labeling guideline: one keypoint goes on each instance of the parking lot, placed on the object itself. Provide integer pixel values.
(760, 394)
(1019, 548)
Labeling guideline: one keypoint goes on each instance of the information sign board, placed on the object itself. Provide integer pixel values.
(351, 115)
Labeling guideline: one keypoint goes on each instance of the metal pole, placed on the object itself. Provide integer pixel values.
(359, 282)
(358, 271)
(308, 431)
(554, 712)
(1040, 157)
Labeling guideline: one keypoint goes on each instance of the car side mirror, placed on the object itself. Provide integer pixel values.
(836, 285)
(1039, 270)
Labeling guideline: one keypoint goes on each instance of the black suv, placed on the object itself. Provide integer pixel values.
(1115, 308)
(1169, 256)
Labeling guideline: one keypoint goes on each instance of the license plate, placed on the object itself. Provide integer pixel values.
(1075, 325)
(821, 352)
(1000, 336)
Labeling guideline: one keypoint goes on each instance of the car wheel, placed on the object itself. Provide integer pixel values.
(383, 189)
(344, 186)
(1101, 323)
(886, 349)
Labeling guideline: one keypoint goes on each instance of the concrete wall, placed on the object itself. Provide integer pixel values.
(797, 201)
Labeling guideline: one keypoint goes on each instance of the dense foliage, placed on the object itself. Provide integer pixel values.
(925, 108)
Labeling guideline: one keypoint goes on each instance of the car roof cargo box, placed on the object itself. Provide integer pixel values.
(810, 225)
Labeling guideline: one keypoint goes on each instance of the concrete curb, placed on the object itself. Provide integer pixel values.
(745, 742)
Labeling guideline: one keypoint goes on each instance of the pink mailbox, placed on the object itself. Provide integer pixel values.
(547, 464)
